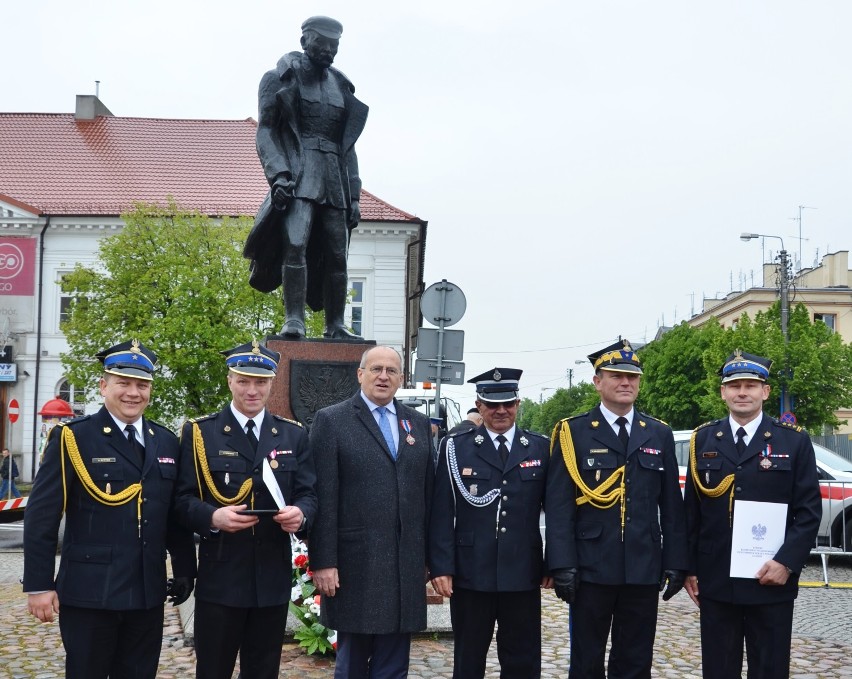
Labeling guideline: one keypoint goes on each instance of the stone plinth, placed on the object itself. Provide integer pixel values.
(313, 374)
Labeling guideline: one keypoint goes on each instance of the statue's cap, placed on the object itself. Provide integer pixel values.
(252, 359)
(325, 26)
(130, 359)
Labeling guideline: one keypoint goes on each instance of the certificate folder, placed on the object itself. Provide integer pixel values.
(758, 535)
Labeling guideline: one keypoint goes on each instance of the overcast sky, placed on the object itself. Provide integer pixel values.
(586, 168)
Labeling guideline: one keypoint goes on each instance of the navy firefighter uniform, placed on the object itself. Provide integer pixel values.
(615, 523)
(484, 533)
(776, 464)
(117, 499)
(244, 577)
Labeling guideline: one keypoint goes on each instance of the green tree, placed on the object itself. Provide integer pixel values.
(674, 385)
(681, 381)
(564, 403)
(177, 281)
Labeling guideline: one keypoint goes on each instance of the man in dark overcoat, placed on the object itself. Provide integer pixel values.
(485, 549)
(743, 461)
(246, 483)
(368, 545)
(616, 529)
(308, 122)
(112, 475)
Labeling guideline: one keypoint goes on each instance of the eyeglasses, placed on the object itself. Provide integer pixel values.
(508, 405)
(378, 370)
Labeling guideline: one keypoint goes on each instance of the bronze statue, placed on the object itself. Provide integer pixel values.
(308, 122)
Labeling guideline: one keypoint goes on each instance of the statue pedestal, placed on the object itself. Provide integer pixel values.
(313, 374)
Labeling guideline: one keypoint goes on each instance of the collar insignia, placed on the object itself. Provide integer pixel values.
(595, 424)
(107, 430)
(524, 441)
(479, 439)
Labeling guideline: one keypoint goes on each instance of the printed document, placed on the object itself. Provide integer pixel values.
(758, 535)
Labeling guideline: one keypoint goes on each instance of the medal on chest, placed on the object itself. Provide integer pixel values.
(406, 425)
(765, 462)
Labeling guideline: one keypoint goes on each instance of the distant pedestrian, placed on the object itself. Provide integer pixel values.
(8, 472)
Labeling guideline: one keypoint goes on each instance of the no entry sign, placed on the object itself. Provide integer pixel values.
(14, 410)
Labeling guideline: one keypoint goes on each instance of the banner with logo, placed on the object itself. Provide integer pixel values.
(17, 266)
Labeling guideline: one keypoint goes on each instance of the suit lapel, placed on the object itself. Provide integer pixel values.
(759, 440)
(518, 451)
(602, 433)
(485, 449)
(639, 433)
(724, 441)
(362, 411)
(116, 437)
(151, 445)
(234, 437)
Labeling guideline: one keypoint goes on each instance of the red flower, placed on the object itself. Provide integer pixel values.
(301, 561)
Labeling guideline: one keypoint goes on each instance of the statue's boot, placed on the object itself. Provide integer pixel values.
(295, 282)
(334, 299)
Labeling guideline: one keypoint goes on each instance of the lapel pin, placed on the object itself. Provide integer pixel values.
(107, 430)
(274, 431)
(719, 434)
(524, 441)
(478, 440)
(766, 434)
(642, 424)
(227, 427)
(150, 432)
(595, 424)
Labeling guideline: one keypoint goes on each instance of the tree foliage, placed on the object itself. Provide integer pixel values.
(681, 382)
(542, 417)
(177, 281)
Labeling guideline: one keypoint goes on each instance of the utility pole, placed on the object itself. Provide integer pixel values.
(570, 376)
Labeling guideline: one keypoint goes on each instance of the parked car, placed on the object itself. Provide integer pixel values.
(835, 481)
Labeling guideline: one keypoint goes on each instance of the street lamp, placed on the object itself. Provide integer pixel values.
(544, 389)
(784, 276)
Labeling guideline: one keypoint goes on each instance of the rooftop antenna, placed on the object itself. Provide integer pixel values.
(98, 88)
(802, 207)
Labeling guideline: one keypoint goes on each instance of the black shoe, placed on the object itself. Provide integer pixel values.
(294, 329)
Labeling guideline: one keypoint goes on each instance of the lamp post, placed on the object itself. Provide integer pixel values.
(784, 280)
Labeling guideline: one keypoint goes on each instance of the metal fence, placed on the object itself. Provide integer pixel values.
(835, 530)
(839, 443)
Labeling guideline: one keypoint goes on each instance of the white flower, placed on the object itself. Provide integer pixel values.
(308, 615)
(296, 593)
(314, 608)
(306, 577)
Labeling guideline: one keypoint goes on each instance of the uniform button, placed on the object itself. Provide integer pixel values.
(739, 468)
(505, 498)
(144, 499)
(739, 489)
(627, 519)
(503, 512)
(502, 530)
(505, 482)
(106, 476)
(145, 522)
(256, 470)
(628, 499)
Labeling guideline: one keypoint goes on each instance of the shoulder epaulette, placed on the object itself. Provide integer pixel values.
(535, 433)
(75, 420)
(284, 419)
(203, 417)
(461, 433)
(651, 417)
(786, 425)
(707, 424)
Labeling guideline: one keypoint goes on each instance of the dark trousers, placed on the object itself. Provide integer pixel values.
(115, 644)
(372, 656)
(221, 632)
(630, 612)
(518, 618)
(766, 628)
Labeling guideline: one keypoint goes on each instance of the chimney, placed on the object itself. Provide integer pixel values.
(90, 107)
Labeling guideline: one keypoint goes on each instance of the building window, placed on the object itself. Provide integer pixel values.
(75, 397)
(65, 300)
(829, 319)
(356, 302)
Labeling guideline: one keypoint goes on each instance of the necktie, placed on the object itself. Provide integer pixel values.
(502, 449)
(137, 450)
(741, 444)
(623, 436)
(384, 425)
(252, 437)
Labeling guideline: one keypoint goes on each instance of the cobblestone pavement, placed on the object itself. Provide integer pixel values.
(822, 637)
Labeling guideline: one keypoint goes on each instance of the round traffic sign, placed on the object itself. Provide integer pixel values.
(788, 418)
(14, 410)
(443, 301)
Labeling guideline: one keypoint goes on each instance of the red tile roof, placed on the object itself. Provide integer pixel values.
(61, 166)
